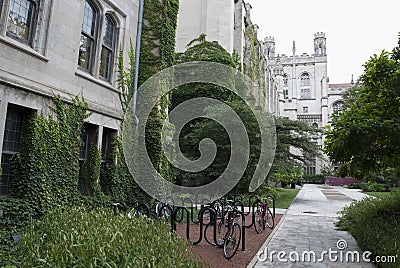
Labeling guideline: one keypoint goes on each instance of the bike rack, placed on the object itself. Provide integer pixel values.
(145, 207)
(238, 197)
(201, 215)
(273, 204)
(184, 209)
(173, 226)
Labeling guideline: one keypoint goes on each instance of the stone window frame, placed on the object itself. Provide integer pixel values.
(103, 10)
(305, 85)
(39, 26)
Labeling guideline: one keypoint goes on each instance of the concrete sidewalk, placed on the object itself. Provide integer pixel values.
(308, 227)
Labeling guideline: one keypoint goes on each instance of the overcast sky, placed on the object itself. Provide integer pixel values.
(355, 29)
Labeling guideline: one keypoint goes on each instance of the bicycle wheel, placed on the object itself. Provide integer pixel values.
(258, 221)
(269, 220)
(232, 241)
(222, 229)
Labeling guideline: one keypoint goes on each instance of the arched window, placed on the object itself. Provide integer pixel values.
(88, 37)
(107, 50)
(305, 79)
(305, 86)
(337, 106)
(21, 18)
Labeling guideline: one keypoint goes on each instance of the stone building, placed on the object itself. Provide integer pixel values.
(229, 23)
(307, 95)
(65, 48)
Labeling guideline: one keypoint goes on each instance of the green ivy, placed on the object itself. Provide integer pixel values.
(91, 172)
(158, 53)
(47, 167)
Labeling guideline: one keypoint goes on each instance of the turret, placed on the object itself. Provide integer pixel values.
(320, 44)
(268, 47)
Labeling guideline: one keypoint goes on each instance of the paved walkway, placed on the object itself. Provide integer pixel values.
(309, 227)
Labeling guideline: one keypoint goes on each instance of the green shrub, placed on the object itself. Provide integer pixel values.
(356, 185)
(16, 214)
(77, 237)
(314, 179)
(375, 224)
(374, 187)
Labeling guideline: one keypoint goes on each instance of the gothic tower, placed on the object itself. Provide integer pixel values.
(320, 44)
(268, 47)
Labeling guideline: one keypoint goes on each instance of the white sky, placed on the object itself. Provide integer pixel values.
(354, 29)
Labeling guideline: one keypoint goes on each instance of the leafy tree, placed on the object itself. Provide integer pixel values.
(293, 136)
(365, 135)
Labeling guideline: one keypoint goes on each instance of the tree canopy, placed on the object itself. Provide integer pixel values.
(364, 136)
(290, 134)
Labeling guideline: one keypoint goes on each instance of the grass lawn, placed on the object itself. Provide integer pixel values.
(285, 197)
(378, 194)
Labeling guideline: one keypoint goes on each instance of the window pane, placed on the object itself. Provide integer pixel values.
(20, 15)
(85, 51)
(11, 144)
(88, 37)
(105, 62)
(106, 59)
(13, 131)
(89, 20)
(305, 79)
(108, 36)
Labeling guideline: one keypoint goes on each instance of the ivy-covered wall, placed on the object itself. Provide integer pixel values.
(47, 167)
(157, 53)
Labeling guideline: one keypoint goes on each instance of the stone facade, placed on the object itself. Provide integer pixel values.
(307, 95)
(212, 18)
(39, 59)
(229, 23)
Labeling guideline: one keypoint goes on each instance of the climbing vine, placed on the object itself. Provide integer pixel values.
(158, 53)
(91, 172)
(47, 167)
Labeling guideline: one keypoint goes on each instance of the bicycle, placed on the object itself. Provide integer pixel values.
(263, 217)
(233, 233)
(161, 209)
(228, 232)
(135, 211)
(138, 209)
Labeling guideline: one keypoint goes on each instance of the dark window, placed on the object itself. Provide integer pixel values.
(107, 143)
(11, 143)
(337, 106)
(107, 147)
(89, 136)
(310, 170)
(286, 93)
(88, 37)
(20, 20)
(107, 50)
